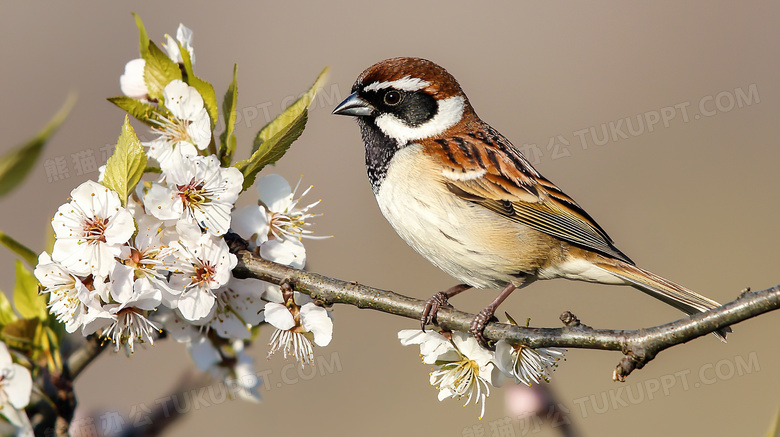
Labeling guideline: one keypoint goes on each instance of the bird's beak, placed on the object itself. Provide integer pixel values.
(354, 106)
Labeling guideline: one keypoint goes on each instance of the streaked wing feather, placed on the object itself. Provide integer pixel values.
(486, 169)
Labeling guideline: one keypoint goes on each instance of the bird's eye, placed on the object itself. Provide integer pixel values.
(392, 98)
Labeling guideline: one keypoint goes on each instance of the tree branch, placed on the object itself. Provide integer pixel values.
(83, 356)
(639, 346)
(52, 410)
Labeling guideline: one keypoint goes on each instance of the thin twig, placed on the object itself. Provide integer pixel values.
(638, 346)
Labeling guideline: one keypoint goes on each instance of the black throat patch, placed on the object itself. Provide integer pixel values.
(380, 150)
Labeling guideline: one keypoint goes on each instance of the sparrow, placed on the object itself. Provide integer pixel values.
(461, 195)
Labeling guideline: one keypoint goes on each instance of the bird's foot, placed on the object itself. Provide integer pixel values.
(432, 306)
(439, 300)
(478, 326)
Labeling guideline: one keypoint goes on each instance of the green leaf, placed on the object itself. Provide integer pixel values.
(291, 113)
(6, 311)
(27, 301)
(50, 349)
(227, 141)
(205, 89)
(16, 164)
(159, 71)
(19, 249)
(126, 166)
(142, 36)
(271, 150)
(143, 112)
(273, 140)
(21, 334)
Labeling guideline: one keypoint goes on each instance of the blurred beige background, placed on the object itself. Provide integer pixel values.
(695, 201)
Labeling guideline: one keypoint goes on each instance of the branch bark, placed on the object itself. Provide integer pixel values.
(638, 346)
(56, 411)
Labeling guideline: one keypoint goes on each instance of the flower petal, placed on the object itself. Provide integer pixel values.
(273, 293)
(184, 101)
(196, 304)
(162, 203)
(19, 419)
(97, 318)
(246, 298)
(19, 386)
(122, 278)
(203, 353)
(247, 378)
(251, 221)
(287, 251)
(433, 346)
(274, 192)
(504, 359)
(132, 81)
(316, 320)
(5, 357)
(469, 347)
(279, 316)
(147, 296)
(199, 129)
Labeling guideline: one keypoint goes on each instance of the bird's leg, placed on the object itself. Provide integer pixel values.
(484, 316)
(437, 301)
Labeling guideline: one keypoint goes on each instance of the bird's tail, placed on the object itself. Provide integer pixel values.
(663, 289)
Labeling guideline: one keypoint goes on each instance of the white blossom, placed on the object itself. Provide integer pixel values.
(463, 367)
(196, 190)
(230, 364)
(15, 390)
(147, 259)
(204, 354)
(525, 364)
(241, 377)
(188, 127)
(233, 366)
(286, 251)
(184, 37)
(90, 230)
(126, 322)
(239, 308)
(433, 346)
(67, 293)
(277, 217)
(296, 328)
(202, 264)
(132, 81)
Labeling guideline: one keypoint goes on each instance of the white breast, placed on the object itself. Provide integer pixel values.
(448, 231)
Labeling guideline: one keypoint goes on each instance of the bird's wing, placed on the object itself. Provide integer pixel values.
(483, 167)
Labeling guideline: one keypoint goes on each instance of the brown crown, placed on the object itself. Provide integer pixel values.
(442, 86)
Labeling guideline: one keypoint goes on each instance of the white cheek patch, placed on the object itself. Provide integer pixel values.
(406, 83)
(450, 113)
(463, 176)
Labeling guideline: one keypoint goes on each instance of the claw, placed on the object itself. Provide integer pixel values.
(437, 301)
(478, 326)
(486, 315)
(432, 306)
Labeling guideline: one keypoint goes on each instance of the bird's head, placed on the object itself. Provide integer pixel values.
(408, 99)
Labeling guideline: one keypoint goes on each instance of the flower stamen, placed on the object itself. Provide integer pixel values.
(95, 229)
